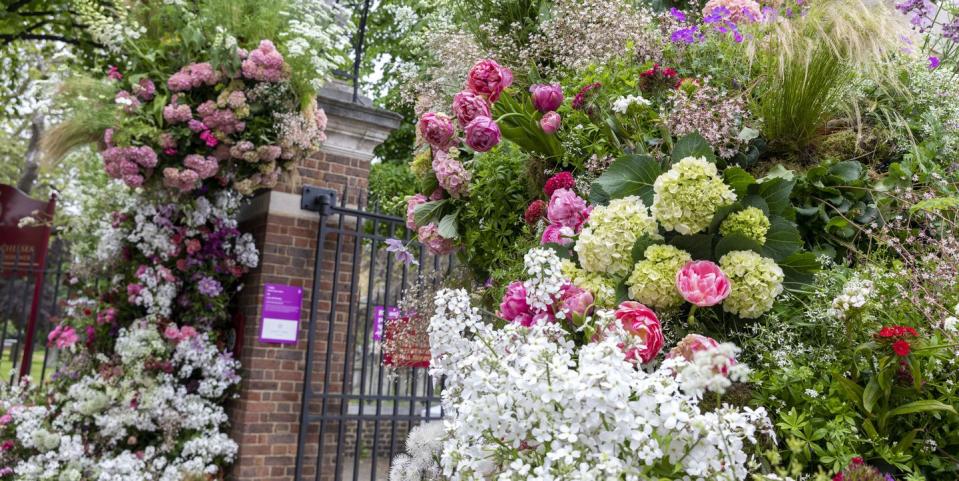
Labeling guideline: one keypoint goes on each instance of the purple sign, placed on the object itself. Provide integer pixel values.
(281, 313)
(391, 312)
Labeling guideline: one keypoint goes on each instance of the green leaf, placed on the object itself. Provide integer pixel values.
(449, 226)
(870, 395)
(852, 391)
(782, 239)
(699, 246)
(736, 242)
(935, 204)
(775, 192)
(629, 175)
(639, 247)
(847, 170)
(757, 202)
(799, 269)
(779, 172)
(692, 145)
(926, 405)
(427, 212)
(738, 179)
(562, 251)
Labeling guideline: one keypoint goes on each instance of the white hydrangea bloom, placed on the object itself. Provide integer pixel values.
(754, 281)
(606, 243)
(687, 196)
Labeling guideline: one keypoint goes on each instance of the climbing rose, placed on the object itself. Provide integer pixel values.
(467, 106)
(482, 134)
(535, 211)
(641, 322)
(702, 283)
(561, 180)
(489, 79)
(546, 97)
(437, 130)
(550, 122)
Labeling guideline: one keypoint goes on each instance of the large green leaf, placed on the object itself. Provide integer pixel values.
(699, 246)
(847, 170)
(449, 226)
(782, 239)
(628, 175)
(739, 180)
(852, 391)
(775, 192)
(428, 212)
(799, 269)
(870, 395)
(926, 405)
(692, 145)
(736, 242)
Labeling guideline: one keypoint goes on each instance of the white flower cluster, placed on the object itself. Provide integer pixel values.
(854, 296)
(423, 446)
(525, 403)
(712, 370)
(152, 233)
(157, 293)
(545, 278)
(116, 408)
(951, 323)
(109, 26)
(317, 33)
(621, 105)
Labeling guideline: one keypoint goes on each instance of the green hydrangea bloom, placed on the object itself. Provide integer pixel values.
(688, 195)
(750, 222)
(653, 281)
(606, 243)
(602, 287)
(755, 282)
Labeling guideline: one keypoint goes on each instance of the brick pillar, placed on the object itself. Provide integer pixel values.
(265, 417)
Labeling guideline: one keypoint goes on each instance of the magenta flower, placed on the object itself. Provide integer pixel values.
(144, 90)
(546, 97)
(113, 73)
(550, 122)
(557, 234)
(482, 134)
(467, 106)
(575, 300)
(641, 322)
(489, 79)
(567, 209)
(437, 130)
(702, 283)
(513, 307)
(62, 337)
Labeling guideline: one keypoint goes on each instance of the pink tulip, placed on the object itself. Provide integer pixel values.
(567, 209)
(702, 283)
(575, 300)
(514, 308)
(557, 234)
(467, 106)
(482, 134)
(550, 122)
(640, 321)
(489, 79)
(546, 97)
(437, 130)
(693, 343)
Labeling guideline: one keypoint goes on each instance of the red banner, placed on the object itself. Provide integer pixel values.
(25, 227)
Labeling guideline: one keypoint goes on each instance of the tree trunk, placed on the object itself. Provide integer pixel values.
(31, 164)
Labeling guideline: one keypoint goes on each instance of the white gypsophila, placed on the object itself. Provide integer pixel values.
(110, 242)
(316, 33)
(854, 296)
(526, 403)
(545, 278)
(157, 292)
(621, 105)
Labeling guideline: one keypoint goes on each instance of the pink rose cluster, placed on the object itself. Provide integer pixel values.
(571, 302)
(175, 334)
(451, 175)
(133, 165)
(62, 337)
(265, 64)
(567, 213)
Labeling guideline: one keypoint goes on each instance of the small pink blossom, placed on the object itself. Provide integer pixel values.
(205, 167)
(450, 174)
(430, 237)
(144, 90)
(411, 203)
(265, 64)
(550, 122)
(113, 73)
(210, 139)
(6, 419)
(693, 343)
(702, 283)
(62, 337)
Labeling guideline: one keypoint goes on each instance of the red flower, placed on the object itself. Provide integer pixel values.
(579, 101)
(856, 460)
(901, 348)
(535, 211)
(562, 180)
(897, 331)
(839, 477)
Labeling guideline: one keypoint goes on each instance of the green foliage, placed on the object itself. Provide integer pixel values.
(389, 185)
(491, 222)
(518, 121)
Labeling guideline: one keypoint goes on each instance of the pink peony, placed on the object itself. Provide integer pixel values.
(264, 63)
(546, 97)
(702, 283)
(482, 134)
(450, 174)
(171, 332)
(411, 203)
(429, 236)
(437, 130)
(575, 300)
(513, 307)
(489, 79)
(467, 106)
(557, 234)
(62, 337)
(640, 321)
(550, 122)
(567, 209)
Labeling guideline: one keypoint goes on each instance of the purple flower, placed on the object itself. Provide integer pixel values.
(482, 134)
(546, 97)
(399, 250)
(933, 62)
(686, 35)
(677, 14)
(550, 122)
(209, 287)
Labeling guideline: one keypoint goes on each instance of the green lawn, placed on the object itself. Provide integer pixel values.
(6, 365)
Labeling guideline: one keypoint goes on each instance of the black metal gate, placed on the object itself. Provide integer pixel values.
(355, 416)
